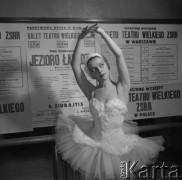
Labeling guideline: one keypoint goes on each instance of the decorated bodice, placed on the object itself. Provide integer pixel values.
(109, 115)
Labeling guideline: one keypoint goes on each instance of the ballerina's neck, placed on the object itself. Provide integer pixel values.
(105, 83)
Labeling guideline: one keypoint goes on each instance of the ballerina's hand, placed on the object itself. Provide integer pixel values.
(87, 30)
(93, 28)
(84, 33)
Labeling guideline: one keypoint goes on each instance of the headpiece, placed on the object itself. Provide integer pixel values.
(89, 57)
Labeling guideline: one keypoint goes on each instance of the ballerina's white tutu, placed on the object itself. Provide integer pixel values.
(96, 146)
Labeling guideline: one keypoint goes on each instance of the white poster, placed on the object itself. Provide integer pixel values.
(53, 87)
(154, 60)
(15, 106)
(37, 80)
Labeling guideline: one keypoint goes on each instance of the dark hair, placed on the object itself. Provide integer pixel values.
(103, 57)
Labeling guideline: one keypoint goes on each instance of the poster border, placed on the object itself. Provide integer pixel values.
(41, 20)
(84, 20)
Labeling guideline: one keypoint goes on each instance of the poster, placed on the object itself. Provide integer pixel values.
(153, 57)
(37, 80)
(162, 100)
(53, 88)
(15, 105)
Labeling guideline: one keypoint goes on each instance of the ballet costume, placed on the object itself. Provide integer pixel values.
(96, 146)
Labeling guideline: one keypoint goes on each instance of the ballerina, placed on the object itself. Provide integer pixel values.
(97, 147)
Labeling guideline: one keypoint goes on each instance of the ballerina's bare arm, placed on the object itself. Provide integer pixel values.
(86, 87)
(123, 83)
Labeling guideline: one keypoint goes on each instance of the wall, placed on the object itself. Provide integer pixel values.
(124, 9)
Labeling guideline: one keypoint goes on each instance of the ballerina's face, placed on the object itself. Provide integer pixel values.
(98, 68)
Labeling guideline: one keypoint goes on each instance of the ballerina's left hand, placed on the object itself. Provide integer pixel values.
(87, 30)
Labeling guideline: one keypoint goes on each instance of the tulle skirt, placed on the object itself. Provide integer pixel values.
(99, 155)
